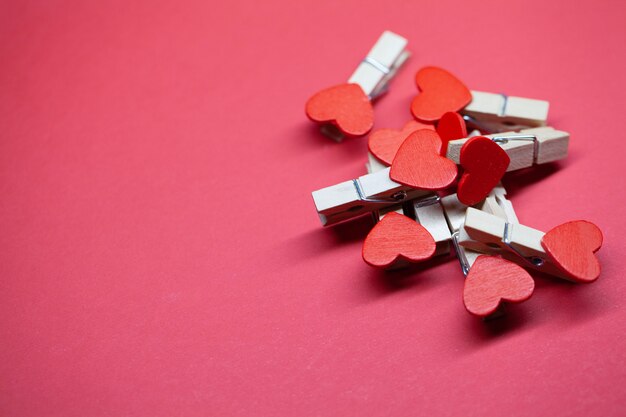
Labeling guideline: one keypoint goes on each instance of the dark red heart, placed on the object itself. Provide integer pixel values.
(492, 280)
(418, 163)
(484, 162)
(572, 246)
(440, 92)
(397, 237)
(384, 143)
(346, 106)
(451, 126)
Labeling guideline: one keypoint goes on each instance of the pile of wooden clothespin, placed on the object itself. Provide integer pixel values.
(411, 188)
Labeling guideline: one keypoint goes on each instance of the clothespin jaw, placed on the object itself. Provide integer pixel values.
(373, 164)
(500, 110)
(365, 194)
(497, 204)
(346, 109)
(524, 148)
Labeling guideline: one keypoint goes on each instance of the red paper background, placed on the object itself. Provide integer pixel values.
(160, 254)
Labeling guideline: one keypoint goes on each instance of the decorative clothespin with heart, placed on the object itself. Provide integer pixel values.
(346, 109)
(409, 168)
(566, 251)
(492, 228)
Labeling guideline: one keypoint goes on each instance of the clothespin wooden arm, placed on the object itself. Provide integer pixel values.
(495, 204)
(486, 233)
(429, 213)
(381, 64)
(525, 148)
(503, 109)
(455, 215)
(367, 193)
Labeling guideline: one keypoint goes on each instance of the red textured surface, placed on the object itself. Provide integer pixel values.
(484, 163)
(397, 237)
(418, 163)
(572, 247)
(344, 105)
(160, 251)
(491, 281)
(440, 92)
(384, 143)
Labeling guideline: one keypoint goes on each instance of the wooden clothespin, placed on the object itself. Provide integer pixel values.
(346, 109)
(441, 92)
(490, 280)
(389, 186)
(493, 112)
(381, 64)
(524, 148)
(566, 251)
(365, 194)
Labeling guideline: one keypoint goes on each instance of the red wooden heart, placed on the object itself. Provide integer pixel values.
(418, 163)
(397, 237)
(484, 162)
(384, 143)
(492, 280)
(451, 126)
(571, 246)
(440, 92)
(346, 106)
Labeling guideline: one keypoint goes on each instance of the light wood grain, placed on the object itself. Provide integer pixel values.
(390, 52)
(552, 145)
(498, 108)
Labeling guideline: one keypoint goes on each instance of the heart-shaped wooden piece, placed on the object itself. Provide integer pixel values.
(346, 106)
(418, 163)
(484, 162)
(571, 246)
(451, 126)
(384, 143)
(492, 280)
(397, 238)
(440, 92)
